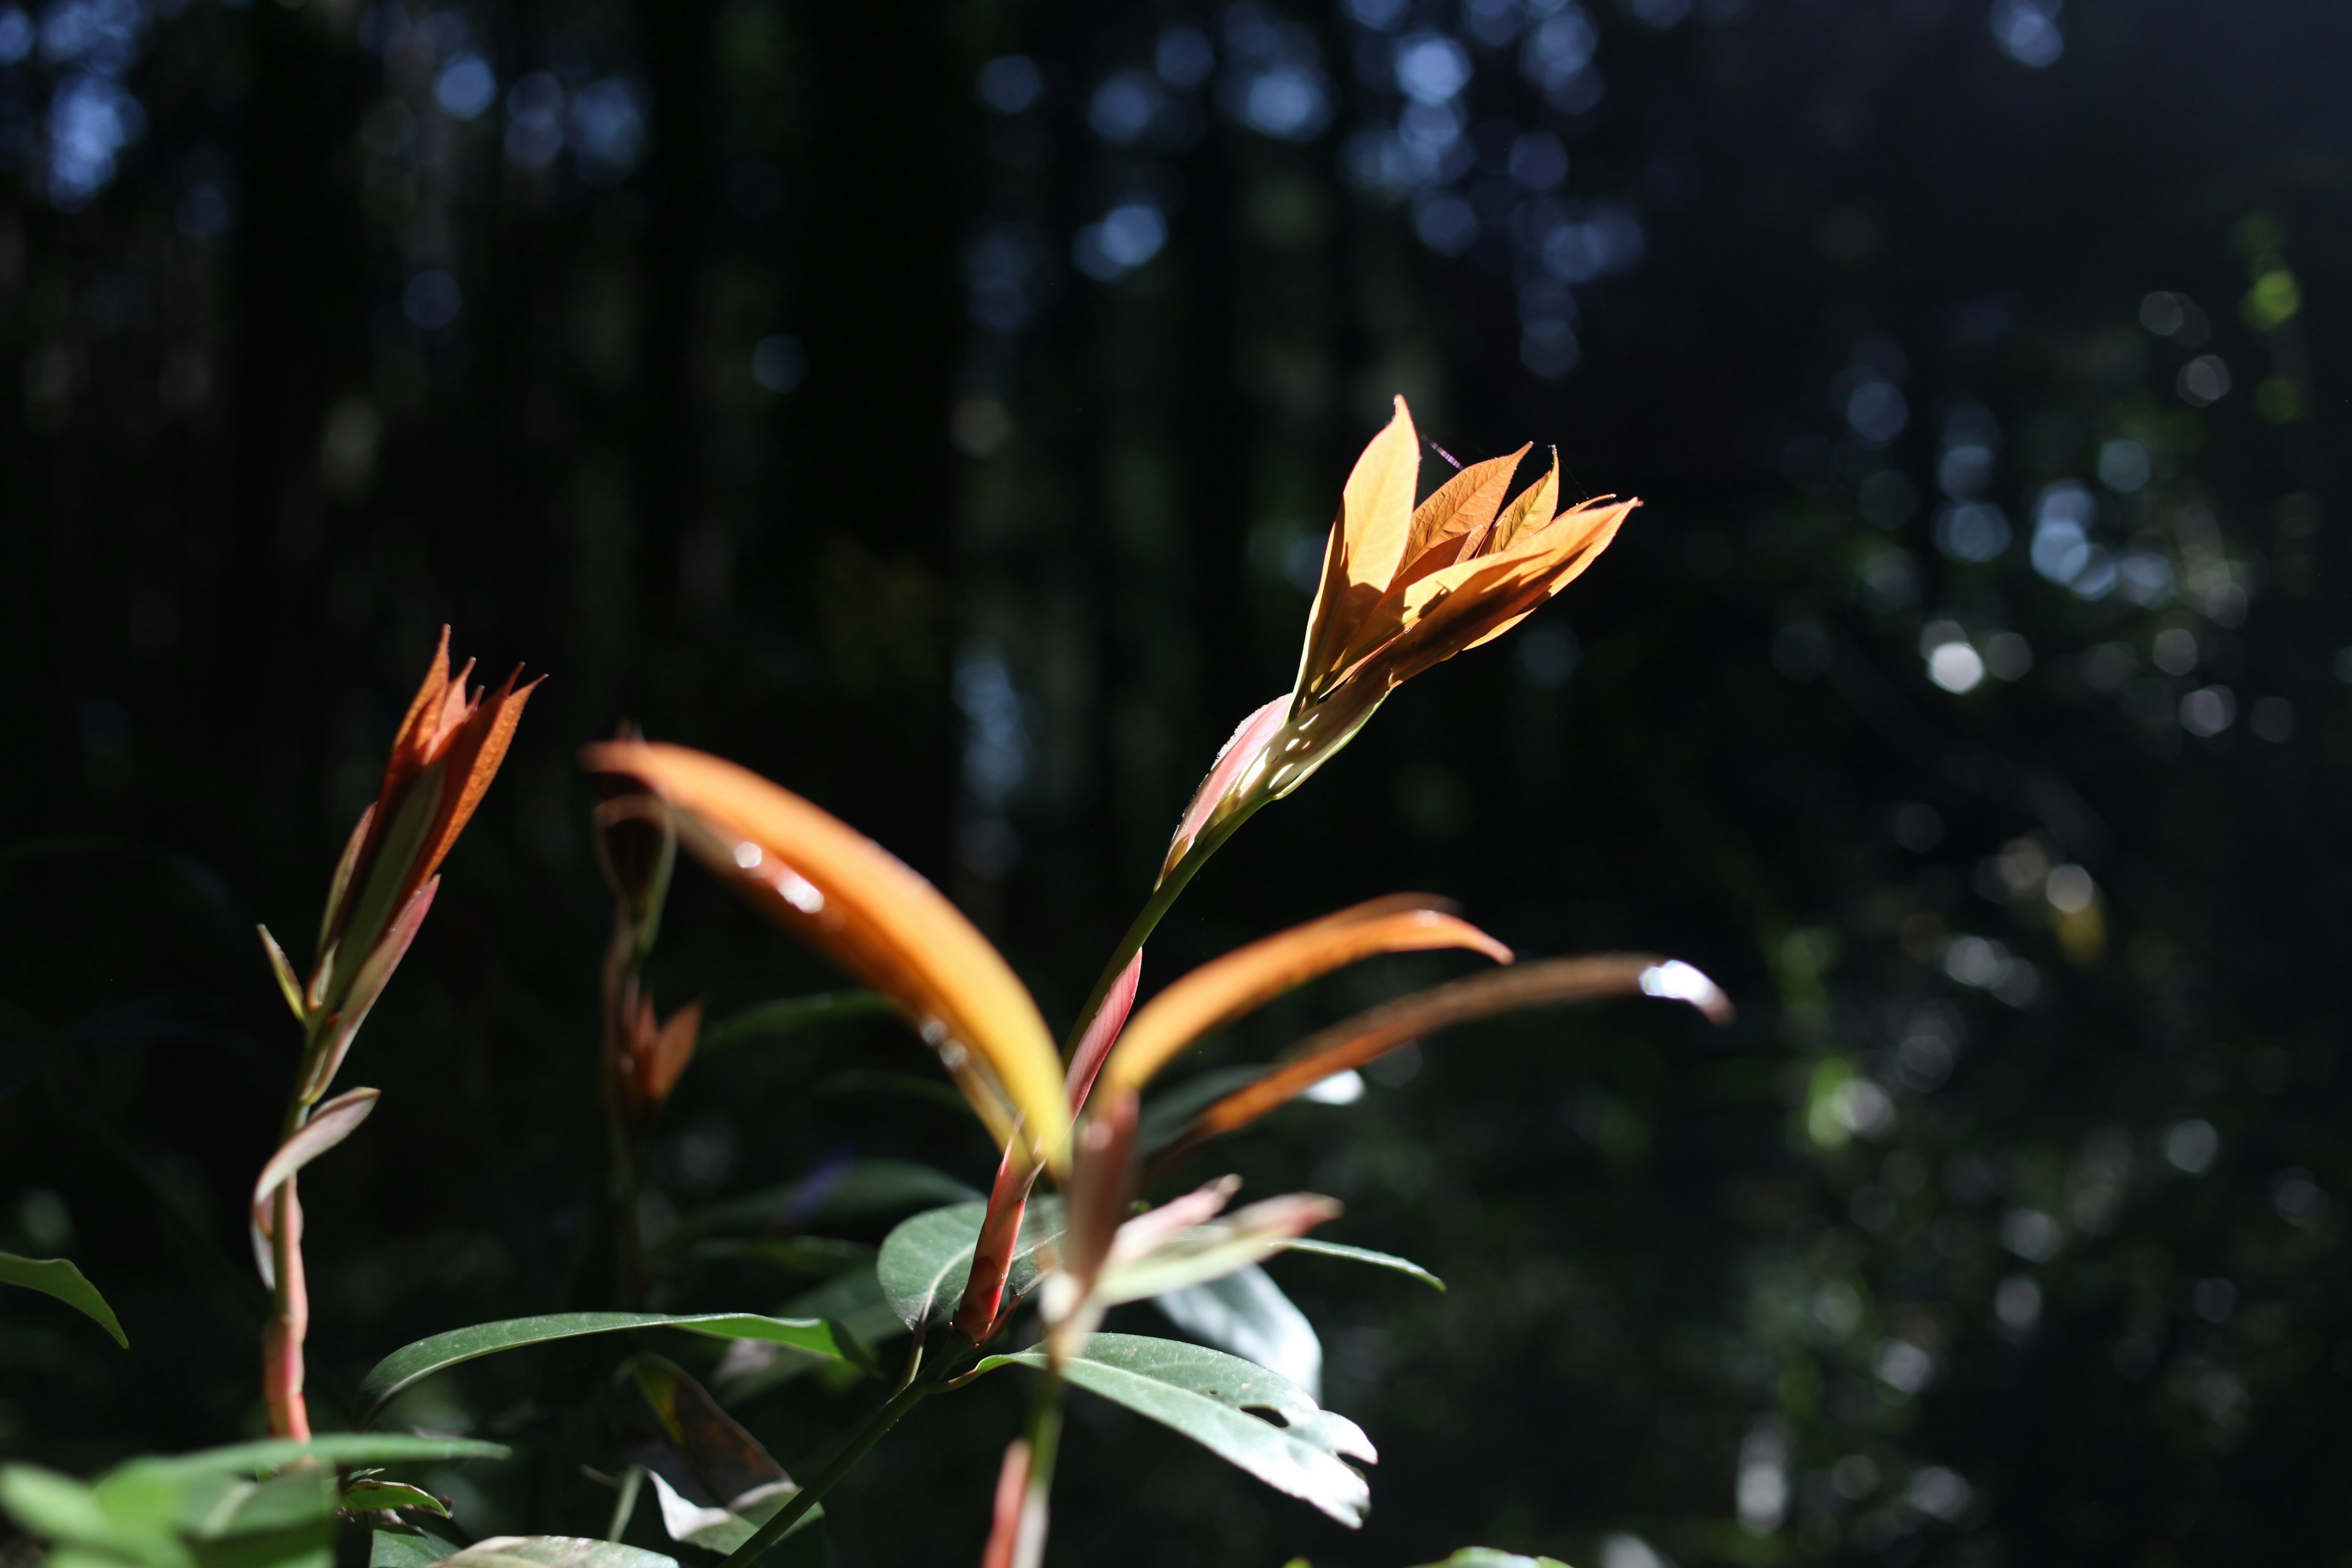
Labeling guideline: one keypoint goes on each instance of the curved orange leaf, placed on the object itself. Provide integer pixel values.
(1223, 989)
(1371, 1035)
(849, 898)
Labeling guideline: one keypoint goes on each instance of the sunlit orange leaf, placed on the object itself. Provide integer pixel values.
(1224, 988)
(1403, 589)
(1352, 1042)
(852, 899)
(446, 752)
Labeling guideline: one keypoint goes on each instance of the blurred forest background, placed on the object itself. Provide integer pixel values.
(940, 406)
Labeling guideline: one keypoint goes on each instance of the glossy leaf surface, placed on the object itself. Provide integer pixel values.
(555, 1552)
(1247, 1313)
(410, 1363)
(1208, 1396)
(924, 1261)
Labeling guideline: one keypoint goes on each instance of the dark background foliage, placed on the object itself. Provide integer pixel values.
(932, 407)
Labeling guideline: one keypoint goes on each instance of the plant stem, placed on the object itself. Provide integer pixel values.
(1163, 898)
(868, 1433)
(624, 962)
(289, 1317)
(1044, 1435)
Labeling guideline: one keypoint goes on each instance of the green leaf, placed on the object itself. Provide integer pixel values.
(62, 1509)
(1366, 1254)
(1487, 1557)
(925, 1262)
(290, 987)
(859, 1189)
(1207, 1395)
(819, 1255)
(1244, 1312)
(410, 1363)
(788, 1016)
(912, 1085)
(853, 1301)
(408, 1547)
(367, 1496)
(335, 1451)
(554, 1551)
(57, 1277)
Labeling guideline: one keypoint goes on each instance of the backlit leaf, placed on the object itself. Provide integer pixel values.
(1247, 1313)
(1224, 988)
(1209, 1395)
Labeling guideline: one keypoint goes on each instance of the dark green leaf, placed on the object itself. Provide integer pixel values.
(858, 1189)
(413, 1363)
(334, 1450)
(818, 1255)
(1207, 1395)
(408, 1547)
(367, 1496)
(57, 1277)
(924, 1261)
(554, 1551)
(853, 1302)
(788, 1016)
(1365, 1255)
(911, 1086)
(1171, 1112)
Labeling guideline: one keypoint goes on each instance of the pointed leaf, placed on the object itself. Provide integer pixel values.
(412, 1363)
(287, 986)
(1207, 1395)
(1365, 1255)
(1353, 1042)
(1199, 1253)
(1247, 1313)
(849, 898)
(790, 1016)
(334, 1450)
(1224, 988)
(925, 1262)
(1367, 544)
(59, 1278)
(370, 1495)
(1237, 764)
(837, 1190)
(554, 1551)
(329, 1125)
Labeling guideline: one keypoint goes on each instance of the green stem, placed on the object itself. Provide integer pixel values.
(1163, 899)
(868, 1433)
(1044, 1436)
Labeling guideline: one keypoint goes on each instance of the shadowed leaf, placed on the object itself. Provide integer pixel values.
(57, 1277)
